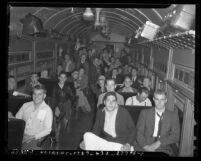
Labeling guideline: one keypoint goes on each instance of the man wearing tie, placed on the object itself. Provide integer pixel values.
(157, 127)
(135, 78)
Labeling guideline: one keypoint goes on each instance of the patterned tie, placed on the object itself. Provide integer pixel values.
(159, 125)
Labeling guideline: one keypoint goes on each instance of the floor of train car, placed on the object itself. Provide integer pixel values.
(78, 124)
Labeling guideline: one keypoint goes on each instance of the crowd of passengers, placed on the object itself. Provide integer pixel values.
(106, 76)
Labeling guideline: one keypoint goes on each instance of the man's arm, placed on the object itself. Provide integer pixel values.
(100, 99)
(174, 131)
(19, 114)
(131, 127)
(97, 126)
(120, 99)
(129, 101)
(47, 125)
(140, 129)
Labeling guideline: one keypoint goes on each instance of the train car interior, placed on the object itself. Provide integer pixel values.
(79, 57)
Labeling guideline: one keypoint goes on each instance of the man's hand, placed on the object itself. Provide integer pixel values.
(126, 147)
(153, 146)
(10, 115)
(28, 138)
(82, 145)
(156, 145)
(149, 148)
(57, 112)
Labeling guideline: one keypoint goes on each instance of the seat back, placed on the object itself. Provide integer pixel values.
(16, 102)
(15, 133)
(135, 111)
(127, 95)
(49, 85)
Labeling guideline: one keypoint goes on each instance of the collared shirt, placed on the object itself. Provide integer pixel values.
(157, 118)
(38, 121)
(120, 99)
(109, 124)
(132, 101)
(134, 78)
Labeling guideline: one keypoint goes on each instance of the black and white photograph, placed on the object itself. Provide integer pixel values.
(102, 78)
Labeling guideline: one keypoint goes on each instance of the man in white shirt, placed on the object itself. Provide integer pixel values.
(38, 117)
(110, 86)
(141, 99)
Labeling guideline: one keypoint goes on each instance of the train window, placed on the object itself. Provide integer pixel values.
(181, 74)
(18, 57)
(44, 54)
(184, 77)
(21, 83)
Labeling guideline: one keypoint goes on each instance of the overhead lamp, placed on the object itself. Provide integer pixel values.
(97, 21)
(88, 14)
(149, 30)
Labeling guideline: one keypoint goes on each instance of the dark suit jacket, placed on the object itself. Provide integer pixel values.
(136, 84)
(170, 129)
(124, 127)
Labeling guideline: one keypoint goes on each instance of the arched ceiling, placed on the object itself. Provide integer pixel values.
(123, 21)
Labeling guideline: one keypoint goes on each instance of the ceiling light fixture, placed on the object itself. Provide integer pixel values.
(88, 14)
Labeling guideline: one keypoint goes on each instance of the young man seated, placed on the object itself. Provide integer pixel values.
(127, 86)
(110, 87)
(114, 129)
(157, 127)
(38, 117)
(141, 99)
(99, 87)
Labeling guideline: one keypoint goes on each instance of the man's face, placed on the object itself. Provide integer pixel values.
(67, 58)
(127, 82)
(142, 97)
(62, 78)
(160, 101)
(83, 58)
(75, 74)
(34, 77)
(59, 68)
(146, 82)
(81, 71)
(110, 103)
(114, 72)
(101, 82)
(134, 72)
(38, 96)
(11, 84)
(110, 86)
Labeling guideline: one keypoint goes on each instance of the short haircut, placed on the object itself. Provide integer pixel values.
(143, 90)
(39, 87)
(110, 79)
(115, 69)
(127, 76)
(147, 77)
(75, 70)
(109, 94)
(81, 67)
(160, 92)
(62, 72)
(34, 73)
(11, 76)
(134, 68)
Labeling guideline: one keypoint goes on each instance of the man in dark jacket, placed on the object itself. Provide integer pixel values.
(157, 127)
(63, 97)
(113, 130)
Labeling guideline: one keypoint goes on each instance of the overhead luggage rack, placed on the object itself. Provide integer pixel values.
(185, 40)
